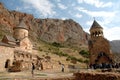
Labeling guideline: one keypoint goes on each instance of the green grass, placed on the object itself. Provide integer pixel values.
(40, 75)
(54, 48)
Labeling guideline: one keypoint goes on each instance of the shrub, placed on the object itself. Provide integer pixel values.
(61, 54)
(74, 61)
(84, 53)
(67, 59)
(86, 61)
(56, 44)
(40, 49)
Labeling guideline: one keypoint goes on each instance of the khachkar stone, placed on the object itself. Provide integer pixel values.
(99, 47)
(21, 36)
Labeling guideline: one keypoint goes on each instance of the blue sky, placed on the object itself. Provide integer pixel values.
(105, 12)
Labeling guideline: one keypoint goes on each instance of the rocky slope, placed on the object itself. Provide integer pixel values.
(115, 46)
(49, 30)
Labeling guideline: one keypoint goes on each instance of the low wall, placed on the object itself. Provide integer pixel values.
(5, 53)
(97, 76)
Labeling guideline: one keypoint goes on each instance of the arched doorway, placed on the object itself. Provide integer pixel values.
(103, 58)
(7, 63)
(103, 61)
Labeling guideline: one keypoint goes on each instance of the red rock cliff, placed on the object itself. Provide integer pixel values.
(49, 30)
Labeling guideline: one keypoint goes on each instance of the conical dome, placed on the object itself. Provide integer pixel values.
(22, 25)
(20, 31)
(95, 25)
(96, 30)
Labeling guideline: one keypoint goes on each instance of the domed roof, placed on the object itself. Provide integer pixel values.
(22, 25)
(95, 25)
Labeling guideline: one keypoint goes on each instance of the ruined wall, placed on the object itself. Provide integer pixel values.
(5, 53)
(96, 76)
(26, 44)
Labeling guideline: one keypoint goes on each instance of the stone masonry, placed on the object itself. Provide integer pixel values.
(99, 47)
(16, 51)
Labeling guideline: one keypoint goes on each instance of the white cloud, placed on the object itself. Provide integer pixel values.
(89, 23)
(18, 9)
(80, 1)
(61, 6)
(63, 18)
(96, 3)
(112, 33)
(42, 7)
(78, 15)
(97, 13)
(107, 16)
(109, 33)
(58, 0)
(87, 30)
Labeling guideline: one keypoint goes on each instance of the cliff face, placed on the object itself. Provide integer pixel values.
(49, 30)
(115, 46)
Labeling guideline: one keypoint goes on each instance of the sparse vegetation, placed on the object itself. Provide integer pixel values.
(56, 44)
(54, 48)
(61, 54)
(86, 61)
(40, 49)
(4, 31)
(84, 53)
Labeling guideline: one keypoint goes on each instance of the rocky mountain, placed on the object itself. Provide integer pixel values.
(49, 30)
(115, 46)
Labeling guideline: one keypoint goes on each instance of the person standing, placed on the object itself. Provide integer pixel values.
(62, 65)
(33, 68)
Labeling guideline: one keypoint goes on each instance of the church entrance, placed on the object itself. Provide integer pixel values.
(103, 61)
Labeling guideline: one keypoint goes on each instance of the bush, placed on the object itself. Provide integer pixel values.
(75, 59)
(67, 59)
(86, 61)
(40, 49)
(56, 44)
(84, 53)
(72, 58)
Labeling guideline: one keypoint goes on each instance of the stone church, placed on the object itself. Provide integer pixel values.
(16, 51)
(99, 47)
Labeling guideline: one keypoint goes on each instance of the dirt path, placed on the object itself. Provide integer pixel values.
(38, 75)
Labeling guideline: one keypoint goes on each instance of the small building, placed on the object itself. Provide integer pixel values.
(8, 40)
(16, 51)
(99, 47)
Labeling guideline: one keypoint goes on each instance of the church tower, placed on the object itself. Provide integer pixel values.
(99, 47)
(96, 30)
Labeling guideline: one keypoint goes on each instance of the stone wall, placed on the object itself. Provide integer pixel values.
(96, 76)
(13, 56)
(100, 45)
(6, 53)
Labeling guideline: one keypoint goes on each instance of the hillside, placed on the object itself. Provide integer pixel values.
(67, 32)
(115, 46)
(60, 40)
